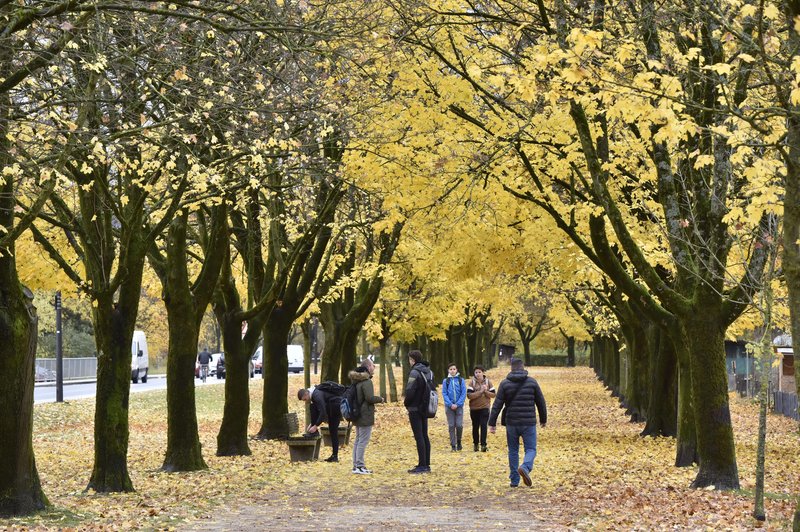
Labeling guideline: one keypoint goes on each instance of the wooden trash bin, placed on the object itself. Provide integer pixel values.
(344, 434)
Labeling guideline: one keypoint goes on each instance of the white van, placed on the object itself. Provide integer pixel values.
(139, 357)
(294, 354)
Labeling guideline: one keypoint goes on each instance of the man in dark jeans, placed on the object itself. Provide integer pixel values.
(521, 397)
(325, 406)
(416, 402)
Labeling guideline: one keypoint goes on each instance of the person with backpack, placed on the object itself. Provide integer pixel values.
(454, 392)
(363, 415)
(519, 396)
(417, 397)
(325, 402)
(480, 393)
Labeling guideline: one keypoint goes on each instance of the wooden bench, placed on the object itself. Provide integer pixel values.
(344, 434)
(302, 447)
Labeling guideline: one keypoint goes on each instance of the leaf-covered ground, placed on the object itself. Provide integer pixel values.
(593, 471)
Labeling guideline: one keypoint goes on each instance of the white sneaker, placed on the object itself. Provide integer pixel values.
(365, 471)
(356, 471)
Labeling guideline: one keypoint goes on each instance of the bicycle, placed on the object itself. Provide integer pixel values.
(204, 372)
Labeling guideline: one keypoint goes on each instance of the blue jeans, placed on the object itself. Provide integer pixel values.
(513, 434)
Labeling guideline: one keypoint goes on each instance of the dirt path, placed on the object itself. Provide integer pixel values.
(371, 517)
(592, 472)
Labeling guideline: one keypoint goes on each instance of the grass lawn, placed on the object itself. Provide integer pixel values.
(593, 471)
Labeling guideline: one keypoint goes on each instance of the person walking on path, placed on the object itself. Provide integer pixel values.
(325, 406)
(521, 397)
(366, 399)
(454, 392)
(416, 400)
(480, 393)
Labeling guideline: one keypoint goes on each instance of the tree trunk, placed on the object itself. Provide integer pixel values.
(386, 368)
(390, 375)
(571, 351)
(791, 215)
(635, 394)
(405, 365)
(598, 357)
(338, 355)
(232, 436)
(526, 350)
(184, 452)
(186, 303)
(686, 444)
(274, 405)
(662, 415)
(113, 335)
(20, 490)
(709, 384)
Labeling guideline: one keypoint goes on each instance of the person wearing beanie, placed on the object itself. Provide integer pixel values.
(366, 399)
(519, 396)
(416, 401)
(454, 393)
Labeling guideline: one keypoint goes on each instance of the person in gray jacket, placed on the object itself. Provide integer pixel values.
(366, 399)
(519, 396)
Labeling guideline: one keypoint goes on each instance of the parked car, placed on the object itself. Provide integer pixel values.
(139, 357)
(220, 368)
(43, 374)
(294, 354)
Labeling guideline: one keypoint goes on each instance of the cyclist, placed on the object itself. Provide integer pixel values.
(204, 359)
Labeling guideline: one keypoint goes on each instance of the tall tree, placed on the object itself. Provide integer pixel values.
(33, 150)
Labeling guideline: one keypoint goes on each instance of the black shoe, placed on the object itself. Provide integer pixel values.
(458, 447)
(453, 448)
(332, 459)
(483, 449)
(418, 469)
(476, 447)
(526, 478)
(513, 485)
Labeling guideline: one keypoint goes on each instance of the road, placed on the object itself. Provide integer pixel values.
(47, 394)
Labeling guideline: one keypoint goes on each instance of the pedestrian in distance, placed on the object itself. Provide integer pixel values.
(416, 401)
(519, 396)
(454, 392)
(324, 407)
(480, 393)
(366, 399)
(204, 359)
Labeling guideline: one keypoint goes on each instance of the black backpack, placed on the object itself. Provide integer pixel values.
(349, 406)
(332, 388)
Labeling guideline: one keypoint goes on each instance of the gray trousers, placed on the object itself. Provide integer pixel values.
(360, 445)
(455, 421)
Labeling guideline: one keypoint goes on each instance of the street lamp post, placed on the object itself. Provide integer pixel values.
(59, 353)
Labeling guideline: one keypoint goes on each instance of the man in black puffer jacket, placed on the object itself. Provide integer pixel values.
(521, 396)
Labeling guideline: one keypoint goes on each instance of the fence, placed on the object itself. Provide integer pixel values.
(74, 368)
(786, 404)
